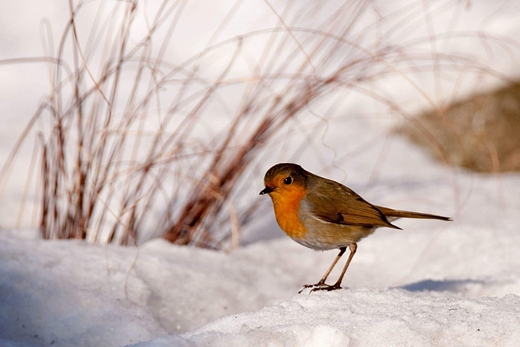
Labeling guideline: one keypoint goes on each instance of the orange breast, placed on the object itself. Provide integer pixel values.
(286, 207)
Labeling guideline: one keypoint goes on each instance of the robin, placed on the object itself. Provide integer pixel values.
(323, 214)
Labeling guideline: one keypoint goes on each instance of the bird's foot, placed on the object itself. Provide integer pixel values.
(315, 285)
(320, 286)
(326, 287)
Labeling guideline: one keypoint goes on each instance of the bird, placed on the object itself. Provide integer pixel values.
(323, 214)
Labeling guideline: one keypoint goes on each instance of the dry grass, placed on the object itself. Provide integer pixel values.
(132, 138)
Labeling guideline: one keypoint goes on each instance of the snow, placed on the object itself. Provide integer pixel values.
(433, 283)
(370, 317)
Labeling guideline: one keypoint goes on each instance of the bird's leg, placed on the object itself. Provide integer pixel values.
(337, 285)
(324, 278)
(321, 283)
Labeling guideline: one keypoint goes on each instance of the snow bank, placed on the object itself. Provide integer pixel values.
(434, 283)
(367, 317)
(68, 293)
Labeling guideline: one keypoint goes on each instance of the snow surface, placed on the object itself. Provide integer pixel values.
(433, 284)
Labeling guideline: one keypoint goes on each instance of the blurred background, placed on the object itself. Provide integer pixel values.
(128, 120)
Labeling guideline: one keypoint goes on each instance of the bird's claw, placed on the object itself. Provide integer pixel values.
(320, 286)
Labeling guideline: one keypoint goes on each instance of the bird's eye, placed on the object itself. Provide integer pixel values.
(287, 180)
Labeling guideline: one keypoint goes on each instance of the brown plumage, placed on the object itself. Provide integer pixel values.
(323, 214)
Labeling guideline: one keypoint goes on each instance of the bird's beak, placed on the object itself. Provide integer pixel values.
(266, 190)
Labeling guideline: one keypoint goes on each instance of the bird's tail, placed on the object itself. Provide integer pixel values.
(392, 214)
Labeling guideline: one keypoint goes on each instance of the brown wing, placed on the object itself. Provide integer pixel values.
(343, 206)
